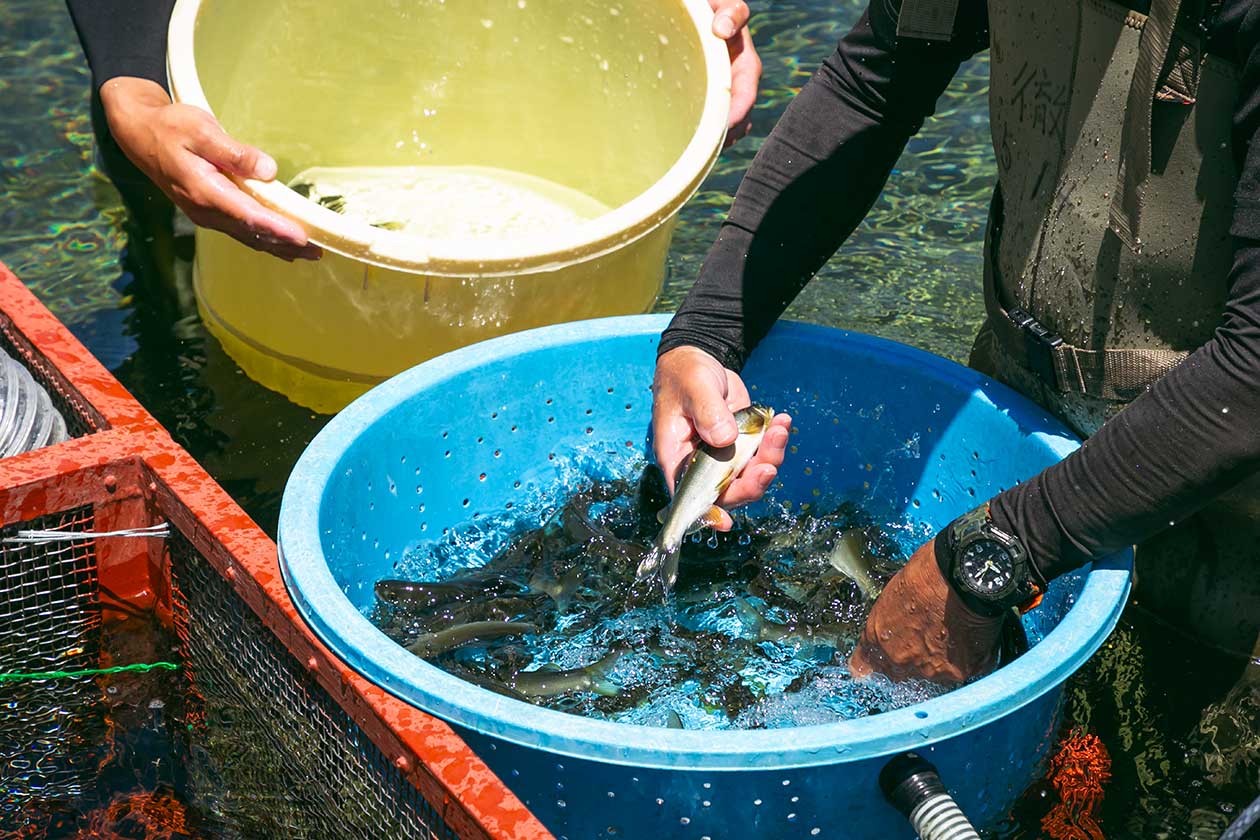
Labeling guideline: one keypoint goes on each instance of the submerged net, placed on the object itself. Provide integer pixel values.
(239, 742)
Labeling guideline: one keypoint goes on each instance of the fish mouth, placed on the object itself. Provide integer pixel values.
(753, 419)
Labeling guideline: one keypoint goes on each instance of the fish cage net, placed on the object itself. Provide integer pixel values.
(296, 763)
(49, 621)
(240, 742)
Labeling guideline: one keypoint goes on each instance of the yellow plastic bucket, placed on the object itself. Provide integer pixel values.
(615, 111)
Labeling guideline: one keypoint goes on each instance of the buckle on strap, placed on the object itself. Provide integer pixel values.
(1040, 345)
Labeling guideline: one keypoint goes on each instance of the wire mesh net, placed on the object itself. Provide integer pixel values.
(241, 742)
(49, 621)
(285, 759)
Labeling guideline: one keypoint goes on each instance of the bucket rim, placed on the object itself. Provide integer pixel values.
(352, 637)
(407, 252)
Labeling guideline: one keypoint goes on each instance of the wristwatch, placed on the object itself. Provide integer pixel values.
(988, 568)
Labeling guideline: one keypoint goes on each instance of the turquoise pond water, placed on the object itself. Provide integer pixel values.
(910, 273)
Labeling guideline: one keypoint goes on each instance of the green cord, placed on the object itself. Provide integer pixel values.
(88, 672)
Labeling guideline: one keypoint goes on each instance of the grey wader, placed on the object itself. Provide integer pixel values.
(1108, 253)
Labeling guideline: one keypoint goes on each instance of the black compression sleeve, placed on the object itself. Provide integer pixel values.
(123, 37)
(816, 176)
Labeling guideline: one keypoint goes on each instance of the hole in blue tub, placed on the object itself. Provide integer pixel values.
(920, 715)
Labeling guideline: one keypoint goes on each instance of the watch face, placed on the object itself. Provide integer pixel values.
(986, 567)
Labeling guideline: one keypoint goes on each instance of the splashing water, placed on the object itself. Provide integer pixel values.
(756, 634)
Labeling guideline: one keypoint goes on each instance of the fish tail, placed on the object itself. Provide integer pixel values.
(749, 616)
(604, 687)
(655, 562)
(598, 674)
(669, 568)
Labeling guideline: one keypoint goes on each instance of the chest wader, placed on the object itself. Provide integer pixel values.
(1108, 252)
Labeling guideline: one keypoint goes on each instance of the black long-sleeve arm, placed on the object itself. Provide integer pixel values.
(123, 37)
(1192, 436)
(815, 178)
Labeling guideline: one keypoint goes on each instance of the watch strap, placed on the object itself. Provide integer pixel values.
(975, 524)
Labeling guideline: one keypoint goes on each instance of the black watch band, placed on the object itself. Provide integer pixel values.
(1026, 585)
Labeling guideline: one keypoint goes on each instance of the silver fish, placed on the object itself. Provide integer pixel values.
(432, 644)
(709, 471)
(548, 680)
(765, 630)
(851, 557)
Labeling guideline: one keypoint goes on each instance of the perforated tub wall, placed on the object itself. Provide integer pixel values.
(914, 438)
(282, 740)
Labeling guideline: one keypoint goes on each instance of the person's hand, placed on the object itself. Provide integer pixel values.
(184, 152)
(694, 398)
(919, 627)
(730, 23)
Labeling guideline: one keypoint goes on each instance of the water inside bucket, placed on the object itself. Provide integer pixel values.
(449, 202)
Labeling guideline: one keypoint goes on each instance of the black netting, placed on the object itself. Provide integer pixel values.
(49, 621)
(79, 417)
(273, 755)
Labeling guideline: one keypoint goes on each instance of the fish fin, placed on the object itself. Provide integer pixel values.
(753, 419)
(711, 518)
(725, 482)
(662, 515)
(673, 721)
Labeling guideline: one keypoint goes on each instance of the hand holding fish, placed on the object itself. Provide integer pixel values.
(920, 628)
(694, 399)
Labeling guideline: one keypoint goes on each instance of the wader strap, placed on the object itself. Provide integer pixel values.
(1121, 374)
(927, 20)
(1135, 164)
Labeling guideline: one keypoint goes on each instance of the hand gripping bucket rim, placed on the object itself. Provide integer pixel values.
(326, 608)
(407, 252)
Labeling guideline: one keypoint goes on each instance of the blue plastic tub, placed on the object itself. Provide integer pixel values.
(916, 437)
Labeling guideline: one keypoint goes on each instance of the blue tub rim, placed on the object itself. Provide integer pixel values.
(362, 646)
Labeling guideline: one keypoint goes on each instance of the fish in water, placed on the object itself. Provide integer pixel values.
(431, 644)
(765, 630)
(709, 471)
(548, 681)
(851, 557)
(427, 595)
